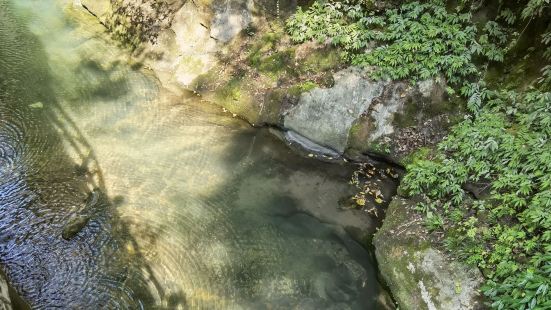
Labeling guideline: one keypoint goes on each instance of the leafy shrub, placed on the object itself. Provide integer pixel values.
(505, 150)
(488, 184)
(417, 41)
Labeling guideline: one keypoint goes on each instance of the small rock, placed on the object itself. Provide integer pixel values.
(37, 105)
(74, 226)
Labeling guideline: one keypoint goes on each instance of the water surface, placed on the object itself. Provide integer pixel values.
(198, 210)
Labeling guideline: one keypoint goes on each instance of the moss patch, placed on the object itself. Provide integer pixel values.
(419, 154)
(261, 70)
(303, 87)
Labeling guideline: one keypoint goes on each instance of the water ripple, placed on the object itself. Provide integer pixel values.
(197, 210)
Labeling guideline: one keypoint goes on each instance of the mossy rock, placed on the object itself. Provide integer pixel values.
(403, 119)
(260, 72)
(419, 274)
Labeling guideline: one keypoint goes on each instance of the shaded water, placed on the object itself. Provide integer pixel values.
(197, 209)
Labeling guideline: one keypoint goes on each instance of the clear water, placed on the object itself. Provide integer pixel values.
(198, 210)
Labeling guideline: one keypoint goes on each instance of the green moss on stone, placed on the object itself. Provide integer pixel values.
(263, 46)
(303, 87)
(419, 154)
(320, 60)
(278, 64)
(231, 90)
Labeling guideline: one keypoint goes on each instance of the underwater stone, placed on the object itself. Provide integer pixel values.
(74, 226)
(78, 222)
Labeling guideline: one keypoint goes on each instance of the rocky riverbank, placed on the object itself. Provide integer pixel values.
(236, 54)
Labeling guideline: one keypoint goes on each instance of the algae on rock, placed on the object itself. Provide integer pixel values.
(419, 274)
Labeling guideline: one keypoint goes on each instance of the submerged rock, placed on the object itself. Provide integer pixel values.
(37, 105)
(93, 198)
(74, 226)
(420, 275)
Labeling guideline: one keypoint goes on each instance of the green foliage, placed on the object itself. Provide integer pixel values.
(487, 186)
(545, 78)
(417, 41)
(535, 8)
(506, 152)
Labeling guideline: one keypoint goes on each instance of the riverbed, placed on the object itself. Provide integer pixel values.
(197, 209)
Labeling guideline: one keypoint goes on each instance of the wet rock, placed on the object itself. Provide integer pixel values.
(5, 301)
(9, 298)
(308, 145)
(403, 119)
(419, 274)
(326, 115)
(74, 226)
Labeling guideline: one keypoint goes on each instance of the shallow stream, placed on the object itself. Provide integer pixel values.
(197, 210)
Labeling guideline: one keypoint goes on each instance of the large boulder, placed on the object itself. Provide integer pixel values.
(230, 17)
(326, 115)
(176, 39)
(181, 40)
(390, 119)
(404, 119)
(420, 275)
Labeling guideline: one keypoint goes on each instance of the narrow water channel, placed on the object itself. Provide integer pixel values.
(196, 211)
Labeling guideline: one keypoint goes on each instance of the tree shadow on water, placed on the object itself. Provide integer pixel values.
(47, 170)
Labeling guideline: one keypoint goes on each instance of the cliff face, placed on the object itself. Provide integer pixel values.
(236, 54)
